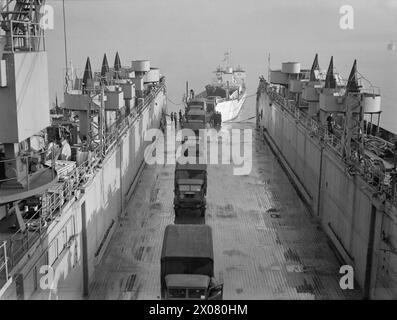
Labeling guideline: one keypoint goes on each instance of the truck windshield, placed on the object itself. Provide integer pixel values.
(177, 293)
(195, 188)
(196, 293)
(187, 188)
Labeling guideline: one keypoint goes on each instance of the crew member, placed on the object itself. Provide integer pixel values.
(162, 121)
(53, 150)
(66, 151)
(330, 123)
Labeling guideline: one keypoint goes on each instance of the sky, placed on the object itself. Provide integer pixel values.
(187, 39)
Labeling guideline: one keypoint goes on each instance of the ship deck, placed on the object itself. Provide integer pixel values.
(266, 243)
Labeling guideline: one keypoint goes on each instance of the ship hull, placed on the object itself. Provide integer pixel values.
(333, 194)
(230, 109)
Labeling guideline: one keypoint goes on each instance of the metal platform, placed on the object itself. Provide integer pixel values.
(266, 243)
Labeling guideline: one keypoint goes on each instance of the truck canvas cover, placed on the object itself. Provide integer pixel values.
(191, 171)
(187, 241)
(197, 167)
(197, 102)
(187, 249)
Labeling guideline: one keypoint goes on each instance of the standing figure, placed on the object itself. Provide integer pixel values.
(180, 115)
(172, 117)
(330, 124)
(66, 151)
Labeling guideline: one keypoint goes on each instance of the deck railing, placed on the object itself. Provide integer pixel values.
(31, 166)
(4, 275)
(32, 39)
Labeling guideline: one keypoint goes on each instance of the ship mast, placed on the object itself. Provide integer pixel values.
(67, 75)
(229, 58)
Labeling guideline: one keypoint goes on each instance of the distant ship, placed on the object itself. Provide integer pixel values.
(228, 89)
(391, 46)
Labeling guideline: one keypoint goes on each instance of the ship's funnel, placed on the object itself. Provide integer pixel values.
(315, 67)
(117, 62)
(352, 83)
(105, 66)
(87, 71)
(330, 78)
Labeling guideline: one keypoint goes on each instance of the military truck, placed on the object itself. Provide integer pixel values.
(189, 196)
(207, 104)
(187, 264)
(195, 119)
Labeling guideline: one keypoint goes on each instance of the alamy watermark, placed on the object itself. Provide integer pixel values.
(47, 17)
(347, 280)
(208, 147)
(346, 21)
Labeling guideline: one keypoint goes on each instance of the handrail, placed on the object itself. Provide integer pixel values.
(29, 40)
(4, 275)
(40, 159)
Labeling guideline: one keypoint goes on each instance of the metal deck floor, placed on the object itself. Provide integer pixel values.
(267, 245)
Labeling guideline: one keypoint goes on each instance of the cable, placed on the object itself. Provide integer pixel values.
(176, 104)
(240, 121)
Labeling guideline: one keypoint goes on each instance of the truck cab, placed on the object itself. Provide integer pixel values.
(191, 171)
(187, 264)
(189, 195)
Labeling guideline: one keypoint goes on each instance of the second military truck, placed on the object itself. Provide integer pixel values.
(187, 264)
(190, 188)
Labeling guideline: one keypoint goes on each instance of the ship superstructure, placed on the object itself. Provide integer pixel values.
(227, 89)
(65, 175)
(325, 130)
